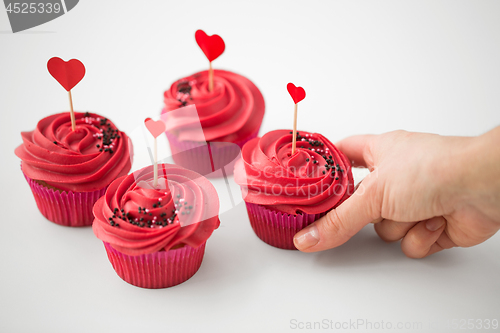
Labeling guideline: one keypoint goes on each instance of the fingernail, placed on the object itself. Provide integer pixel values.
(306, 238)
(434, 224)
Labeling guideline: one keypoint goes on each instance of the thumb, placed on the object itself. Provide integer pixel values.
(340, 224)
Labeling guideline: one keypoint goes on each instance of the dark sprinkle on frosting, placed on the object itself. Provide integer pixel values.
(184, 92)
(305, 142)
(160, 221)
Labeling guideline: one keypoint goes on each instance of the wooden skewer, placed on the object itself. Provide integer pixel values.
(155, 182)
(210, 78)
(294, 142)
(72, 113)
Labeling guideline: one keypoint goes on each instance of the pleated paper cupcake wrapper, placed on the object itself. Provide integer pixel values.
(161, 269)
(277, 228)
(70, 209)
(212, 160)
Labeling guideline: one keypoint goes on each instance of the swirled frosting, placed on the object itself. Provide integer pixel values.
(84, 160)
(230, 113)
(136, 218)
(315, 179)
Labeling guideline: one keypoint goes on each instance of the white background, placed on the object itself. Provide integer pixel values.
(367, 67)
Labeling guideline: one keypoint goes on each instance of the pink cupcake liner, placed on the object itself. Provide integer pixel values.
(161, 269)
(70, 209)
(277, 228)
(207, 159)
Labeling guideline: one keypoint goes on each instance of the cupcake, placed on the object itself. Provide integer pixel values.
(68, 171)
(284, 193)
(229, 116)
(155, 237)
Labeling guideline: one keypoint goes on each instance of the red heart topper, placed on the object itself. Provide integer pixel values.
(67, 73)
(212, 46)
(156, 128)
(297, 93)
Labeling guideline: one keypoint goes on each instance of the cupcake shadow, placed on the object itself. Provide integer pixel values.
(232, 253)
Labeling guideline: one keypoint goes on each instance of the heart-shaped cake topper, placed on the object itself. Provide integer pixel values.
(67, 73)
(212, 46)
(297, 93)
(156, 128)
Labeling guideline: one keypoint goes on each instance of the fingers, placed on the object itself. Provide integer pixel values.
(355, 148)
(422, 240)
(340, 224)
(444, 242)
(419, 239)
(391, 231)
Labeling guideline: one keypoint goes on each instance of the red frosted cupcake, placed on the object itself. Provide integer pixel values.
(155, 237)
(68, 171)
(229, 116)
(285, 193)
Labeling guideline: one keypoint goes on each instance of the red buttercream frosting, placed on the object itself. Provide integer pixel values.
(314, 180)
(84, 160)
(230, 113)
(136, 218)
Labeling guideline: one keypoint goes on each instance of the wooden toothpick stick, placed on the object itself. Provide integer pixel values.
(294, 140)
(210, 78)
(155, 181)
(72, 113)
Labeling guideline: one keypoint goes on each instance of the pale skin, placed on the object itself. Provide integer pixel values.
(428, 191)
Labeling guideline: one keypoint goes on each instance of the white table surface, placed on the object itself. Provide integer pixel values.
(367, 67)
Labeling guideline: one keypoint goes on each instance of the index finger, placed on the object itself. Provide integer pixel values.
(356, 148)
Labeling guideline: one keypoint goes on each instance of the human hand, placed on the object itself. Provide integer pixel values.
(431, 192)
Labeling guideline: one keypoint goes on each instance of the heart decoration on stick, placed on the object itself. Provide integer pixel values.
(212, 46)
(298, 94)
(156, 128)
(68, 74)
